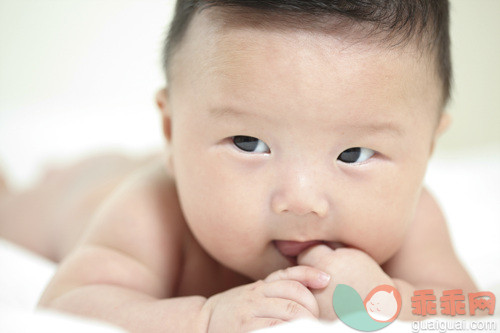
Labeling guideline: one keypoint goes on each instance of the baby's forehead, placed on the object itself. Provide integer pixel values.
(234, 30)
(229, 59)
(217, 22)
(419, 27)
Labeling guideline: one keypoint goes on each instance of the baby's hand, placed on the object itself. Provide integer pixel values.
(281, 297)
(346, 266)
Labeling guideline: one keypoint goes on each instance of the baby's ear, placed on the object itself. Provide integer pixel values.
(442, 126)
(444, 123)
(163, 106)
(166, 116)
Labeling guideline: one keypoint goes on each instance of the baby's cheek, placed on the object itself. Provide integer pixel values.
(380, 243)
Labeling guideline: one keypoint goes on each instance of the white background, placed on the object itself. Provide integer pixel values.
(77, 77)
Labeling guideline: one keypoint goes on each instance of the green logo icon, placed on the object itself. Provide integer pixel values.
(380, 307)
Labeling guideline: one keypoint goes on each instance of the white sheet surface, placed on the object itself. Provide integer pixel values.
(15, 320)
(470, 325)
(23, 276)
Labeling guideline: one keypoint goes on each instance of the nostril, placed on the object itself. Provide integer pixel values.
(299, 204)
(279, 205)
(322, 208)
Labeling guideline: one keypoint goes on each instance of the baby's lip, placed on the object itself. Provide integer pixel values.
(293, 248)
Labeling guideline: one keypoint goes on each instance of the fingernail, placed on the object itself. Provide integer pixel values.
(323, 277)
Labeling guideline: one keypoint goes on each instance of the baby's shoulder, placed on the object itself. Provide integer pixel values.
(142, 220)
(150, 191)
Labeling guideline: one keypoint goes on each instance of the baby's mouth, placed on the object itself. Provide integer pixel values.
(291, 249)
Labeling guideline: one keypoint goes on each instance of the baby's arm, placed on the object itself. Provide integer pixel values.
(425, 261)
(116, 274)
(126, 270)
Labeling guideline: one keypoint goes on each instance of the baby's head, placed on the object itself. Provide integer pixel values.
(302, 120)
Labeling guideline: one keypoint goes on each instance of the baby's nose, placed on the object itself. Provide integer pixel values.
(300, 195)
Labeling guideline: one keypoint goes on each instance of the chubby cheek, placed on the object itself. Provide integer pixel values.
(380, 227)
(380, 243)
(225, 218)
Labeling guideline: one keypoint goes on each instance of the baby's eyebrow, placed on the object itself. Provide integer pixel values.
(379, 127)
(231, 112)
(371, 127)
(225, 111)
(222, 112)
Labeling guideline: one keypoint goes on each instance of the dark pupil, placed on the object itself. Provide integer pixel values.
(350, 155)
(246, 143)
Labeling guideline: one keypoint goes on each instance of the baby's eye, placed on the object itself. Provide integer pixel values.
(250, 144)
(355, 155)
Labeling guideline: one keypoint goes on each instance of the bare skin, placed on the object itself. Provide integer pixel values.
(230, 236)
(50, 217)
(199, 277)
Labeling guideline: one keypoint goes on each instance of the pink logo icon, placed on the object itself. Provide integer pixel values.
(383, 303)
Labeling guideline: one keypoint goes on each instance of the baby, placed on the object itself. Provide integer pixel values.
(298, 137)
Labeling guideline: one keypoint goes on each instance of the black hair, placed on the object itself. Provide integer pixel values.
(401, 20)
